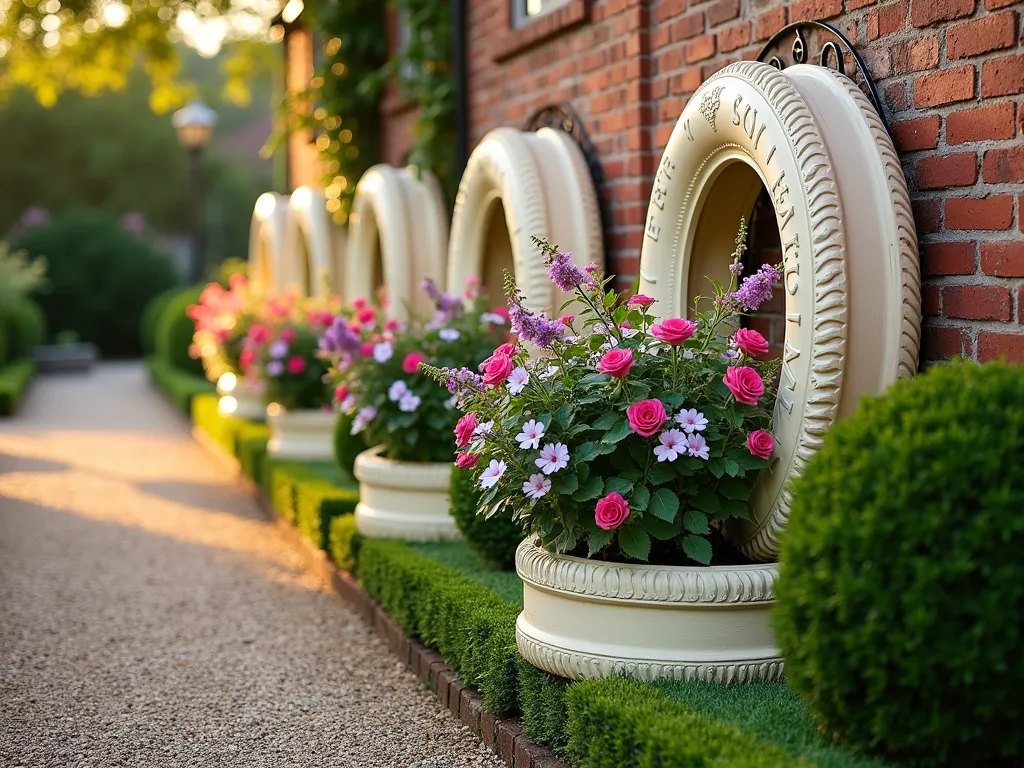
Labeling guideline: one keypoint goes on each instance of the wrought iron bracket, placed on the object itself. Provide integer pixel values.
(835, 52)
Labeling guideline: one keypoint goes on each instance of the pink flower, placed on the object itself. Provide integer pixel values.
(566, 319)
(359, 304)
(288, 334)
(640, 301)
(501, 312)
(464, 429)
(412, 361)
(366, 316)
(466, 460)
(245, 359)
(761, 444)
(354, 326)
(751, 342)
(340, 393)
(744, 383)
(616, 362)
(260, 334)
(646, 417)
(237, 282)
(296, 364)
(673, 331)
(611, 511)
(366, 350)
(497, 369)
(392, 325)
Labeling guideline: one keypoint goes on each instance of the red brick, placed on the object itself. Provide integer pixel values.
(852, 5)
(930, 300)
(992, 5)
(995, 345)
(815, 10)
(1004, 76)
(688, 26)
(731, 39)
(887, 20)
(925, 12)
(977, 302)
(666, 9)
(916, 55)
(927, 214)
(949, 258)
(767, 24)
(989, 33)
(1003, 259)
(995, 212)
(700, 49)
(1004, 166)
(920, 133)
(944, 87)
(938, 171)
(994, 121)
(942, 342)
(723, 11)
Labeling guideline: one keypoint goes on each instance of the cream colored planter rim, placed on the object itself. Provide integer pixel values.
(266, 232)
(240, 401)
(309, 222)
(303, 435)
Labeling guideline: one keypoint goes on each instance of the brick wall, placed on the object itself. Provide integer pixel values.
(304, 166)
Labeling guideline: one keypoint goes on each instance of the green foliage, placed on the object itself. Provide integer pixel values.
(251, 449)
(26, 327)
(346, 445)
(344, 542)
(542, 699)
(174, 332)
(318, 502)
(494, 538)
(18, 275)
(101, 278)
(902, 583)
(207, 417)
(14, 380)
(300, 388)
(151, 317)
(5, 343)
(178, 385)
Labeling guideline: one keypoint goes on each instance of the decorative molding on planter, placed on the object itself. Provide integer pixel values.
(305, 435)
(314, 246)
(402, 499)
(238, 398)
(584, 619)
(266, 242)
(811, 138)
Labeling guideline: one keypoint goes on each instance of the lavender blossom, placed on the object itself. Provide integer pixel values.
(756, 289)
(536, 329)
(566, 275)
(736, 268)
(339, 337)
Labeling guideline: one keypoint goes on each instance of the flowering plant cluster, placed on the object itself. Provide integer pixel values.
(376, 368)
(222, 319)
(614, 434)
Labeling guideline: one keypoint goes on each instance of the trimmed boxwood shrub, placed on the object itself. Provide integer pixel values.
(174, 331)
(14, 380)
(496, 538)
(26, 327)
(151, 316)
(902, 581)
(346, 445)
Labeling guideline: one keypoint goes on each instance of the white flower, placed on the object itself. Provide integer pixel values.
(490, 476)
(382, 351)
(691, 421)
(599, 328)
(451, 402)
(517, 380)
(688, 354)
(730, 355)
(409, 402)
(550, 372)
(673, 442)
(493, 318)
(536, 486)
(628, 333)
(697, 446)
(449, 334)
(553, 457)
(484, 428)
(396, 390)
(347, 404)
(362, 419)
(531, 435)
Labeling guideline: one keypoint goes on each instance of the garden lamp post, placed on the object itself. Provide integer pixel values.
(194, 124)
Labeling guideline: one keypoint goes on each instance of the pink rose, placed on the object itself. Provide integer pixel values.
(501, 312)
(640, 301)
(673, 331)
(296, 364)
(412, 361)
(744, 383)
(616, 362)
(646, 417)
(497, 369)
(260, 334)
(611, 511)
(751, 342)
(354, 326)
(245, 359)
(464, 429)
(566, 319)
(288, 334)
(466, 460)
(340, 393)
(392, 325)
(366, 316)
(366, 350)
(761, 444)
(359, 304)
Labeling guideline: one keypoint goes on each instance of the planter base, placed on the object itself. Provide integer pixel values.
(238, 399)
(300, 435)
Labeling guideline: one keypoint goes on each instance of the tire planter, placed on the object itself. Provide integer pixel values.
(518, 184)
(583, 619)
(300, 435)
(239, 399)
(403, 500)
(266, 242)
(850, 258)
(398, 234)
(314, 245)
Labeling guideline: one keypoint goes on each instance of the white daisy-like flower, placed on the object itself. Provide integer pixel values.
(490, 476)
(382, 351)
(553, 457)
(697, 446)
(396, 390)
(691, 421)
(363, 419)
(531, 435)
(409, 402)
(449, 334)
(536, 486)
(673, 443)
(484, 428)
(517, 380)
(492, 318)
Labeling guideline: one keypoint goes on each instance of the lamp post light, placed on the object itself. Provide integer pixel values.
(194, 124)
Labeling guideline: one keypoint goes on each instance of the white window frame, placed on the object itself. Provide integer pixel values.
(526, 11)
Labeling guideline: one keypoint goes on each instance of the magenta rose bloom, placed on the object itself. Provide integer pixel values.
(497, 369)
(646, 417)
(673, 331)
(616, 362)
(751, 342)
(341, 392)
(761, 444)
(464, 430)
(466, 460)
(296, 364)
(744, 383)
(640, 301)
(412, 361)
(611, 511)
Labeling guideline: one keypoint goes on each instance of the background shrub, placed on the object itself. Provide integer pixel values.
(26, 327)
(495, 539)
(902, 582)
(346, 445)
(174, 331)
(100, 278)
(151, 317)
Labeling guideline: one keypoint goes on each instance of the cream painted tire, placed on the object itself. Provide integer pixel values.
(585, 619)
(402, 499)
(304, 435)
(398, 234)
(314, 245)
(239, 399)
(849, 247)
(518, 184)
(266, 243)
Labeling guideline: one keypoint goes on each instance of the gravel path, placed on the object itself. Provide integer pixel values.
(150, 616)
